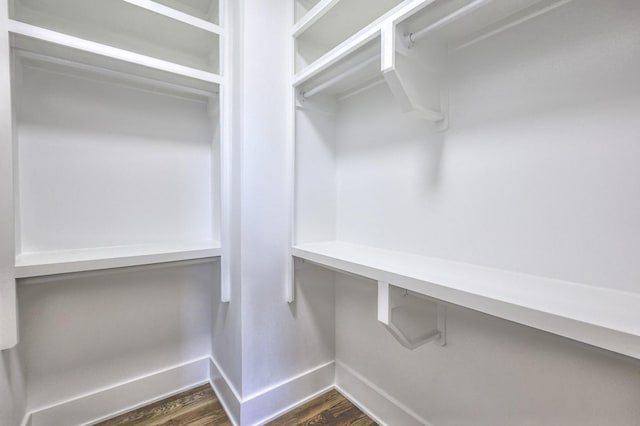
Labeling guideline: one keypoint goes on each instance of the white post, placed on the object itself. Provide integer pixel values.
(8, 309)
(383, 302)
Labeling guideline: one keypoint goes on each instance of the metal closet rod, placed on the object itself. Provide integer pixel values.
(327, 84)
(412, 38)
(103, 70)
(452, 17)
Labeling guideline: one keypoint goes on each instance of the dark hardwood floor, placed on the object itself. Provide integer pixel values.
(200, 407)
(328, 409)
(195, 407)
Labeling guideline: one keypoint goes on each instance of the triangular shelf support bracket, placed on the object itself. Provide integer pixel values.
(427, 319)
(419, 90)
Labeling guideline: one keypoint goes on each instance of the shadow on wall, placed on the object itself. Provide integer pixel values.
(86, 331)
(12, 388)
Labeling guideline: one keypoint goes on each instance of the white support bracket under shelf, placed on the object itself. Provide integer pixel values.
(412, 320)
(418, 88)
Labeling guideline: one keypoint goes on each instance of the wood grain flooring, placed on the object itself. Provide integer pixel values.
(330, 408)
(200, 407)
(195, 407)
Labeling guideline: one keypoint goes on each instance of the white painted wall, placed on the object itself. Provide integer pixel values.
(12, 388)
(491, 372)
(493, 190)
(538, 171)
(96, 172)
(537, 174)
(279, 340)
(85, 332)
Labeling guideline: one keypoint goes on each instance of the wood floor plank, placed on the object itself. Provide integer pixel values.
(195, 407)
(329, 409)
(201, 407)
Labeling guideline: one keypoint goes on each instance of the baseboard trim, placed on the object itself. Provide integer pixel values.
(225, 391)
(366, 395)
(270, 403)
(276, 400)
(256, 409)
(111, 401)
(295, 405)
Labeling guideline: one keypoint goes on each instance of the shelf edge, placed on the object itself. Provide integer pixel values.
(312, 16)
(49, 36)
(177, 15)
(594, 334)
(42, 269)
(357, 40)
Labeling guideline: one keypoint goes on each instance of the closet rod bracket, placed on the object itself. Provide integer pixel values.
(411, 324)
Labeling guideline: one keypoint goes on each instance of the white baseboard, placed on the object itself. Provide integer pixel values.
(255, 409)
(227, 394)
(372, 400)
(267, 404)
(276, 400)
(117, 399)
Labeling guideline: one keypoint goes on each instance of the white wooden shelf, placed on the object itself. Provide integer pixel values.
(456, 25)
(66, 261)
(143, 27)
(57, 45)
(317, 12)
(598, 316)
(302, 9)
(207, 10)
(447, 25)
(344, 75)
(178, 15)
(332, 23)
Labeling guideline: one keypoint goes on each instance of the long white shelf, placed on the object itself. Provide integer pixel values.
(66, 261)
(33, 38)
(177, 15)
(311, 17)
(358, 40)
(205, 10)
(457, 27)
(345, 50)
(602, 317)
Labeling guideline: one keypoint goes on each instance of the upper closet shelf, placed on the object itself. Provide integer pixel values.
(410, 45)
(338, 19)
(207, 10)
(55, 45)
(140, 27)
(354, 42)
(178, 15)
(317, 12)
(598, 316)
(66, 261)
(332, 22)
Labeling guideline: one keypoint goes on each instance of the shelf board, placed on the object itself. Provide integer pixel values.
(207, 10)
(450, 24)
(66, 261)
(602, 317)
(332, 21)
(143, 27)
(454, 23)
(311, 17)
(51, 43)
(355, 43)
(348, 74)
(177, 15)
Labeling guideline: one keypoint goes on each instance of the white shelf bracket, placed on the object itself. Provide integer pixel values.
(413, 321)
(418, 89)
(296, 265)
